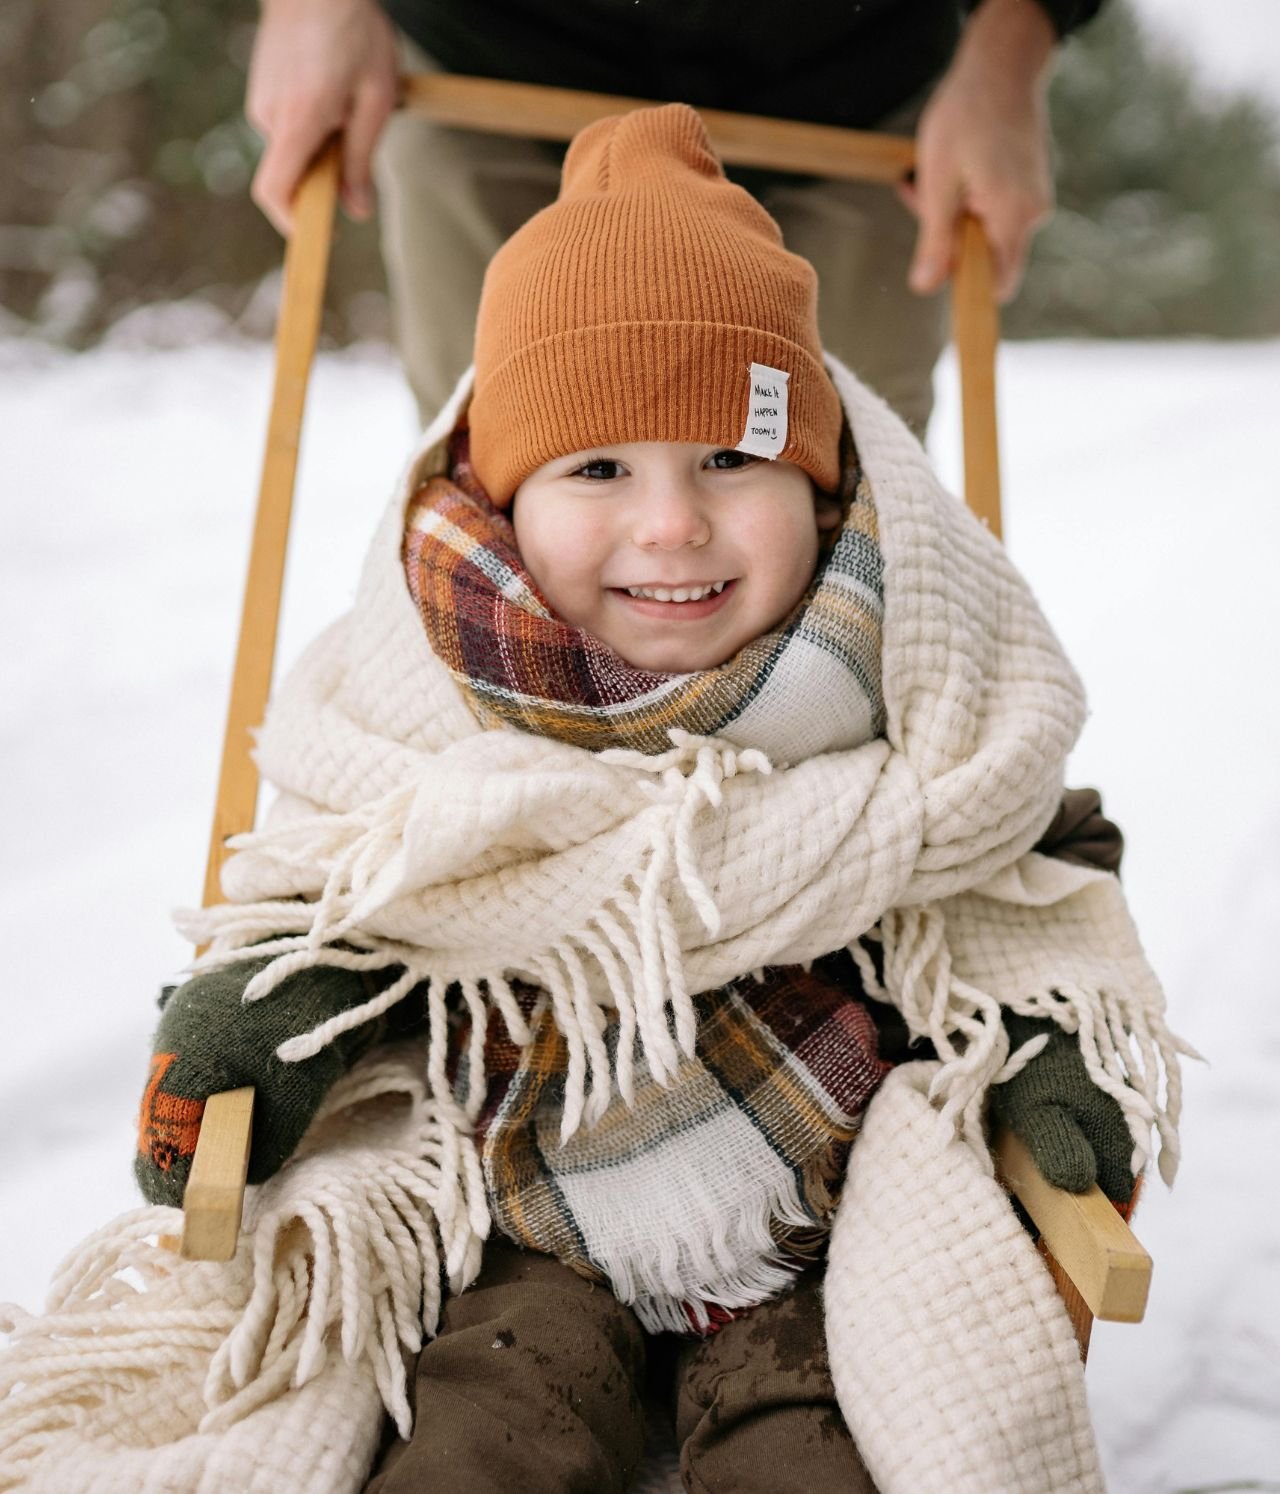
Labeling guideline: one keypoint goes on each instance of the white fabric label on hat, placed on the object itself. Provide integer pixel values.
(766, 432)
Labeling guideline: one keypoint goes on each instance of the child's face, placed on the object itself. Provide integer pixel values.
(596, 527)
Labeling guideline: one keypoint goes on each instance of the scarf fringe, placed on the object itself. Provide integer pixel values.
(122, 1315)
(346, 1252)
(1127, 1048)
(627, 958)
(727, 1256)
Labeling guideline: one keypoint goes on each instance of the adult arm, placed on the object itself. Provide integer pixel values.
(982, 146)
(319, 66)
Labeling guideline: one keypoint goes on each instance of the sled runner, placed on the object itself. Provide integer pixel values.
(1099, 1267)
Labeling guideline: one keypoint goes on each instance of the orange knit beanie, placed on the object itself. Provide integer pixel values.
(652, 301)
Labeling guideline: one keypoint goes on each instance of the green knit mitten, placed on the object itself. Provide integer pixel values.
(1075, 1131)
(208, 1041)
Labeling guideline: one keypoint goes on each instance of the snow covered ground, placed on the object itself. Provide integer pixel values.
(1142, 500)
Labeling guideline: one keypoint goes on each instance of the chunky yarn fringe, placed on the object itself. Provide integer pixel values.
(949, 965)
(1116, 1014)
(148, 1371)
(626, 958)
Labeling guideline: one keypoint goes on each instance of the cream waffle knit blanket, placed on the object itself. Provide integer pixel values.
(405, 835)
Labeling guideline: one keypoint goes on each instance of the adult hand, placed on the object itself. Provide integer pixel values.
(319, 66)
(982, 146)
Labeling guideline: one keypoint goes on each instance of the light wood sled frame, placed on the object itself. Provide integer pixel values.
(1100, 1268)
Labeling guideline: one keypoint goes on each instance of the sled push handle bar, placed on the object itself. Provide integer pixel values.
(306, 267)
(495, 106)
(1093, 1246)
(524, 109)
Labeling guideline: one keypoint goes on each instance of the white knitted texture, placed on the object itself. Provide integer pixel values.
(416, 839)
(622, 881)
(953, 1358)
(270, 1373)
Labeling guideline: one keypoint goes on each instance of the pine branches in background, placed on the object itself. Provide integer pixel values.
(1168, 220)
(127, 161)
(127, 164)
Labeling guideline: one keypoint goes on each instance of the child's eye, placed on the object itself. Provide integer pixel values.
(599, 470)
(729, 461)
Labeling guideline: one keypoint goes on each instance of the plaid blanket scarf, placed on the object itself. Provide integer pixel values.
(697, 1199)
(697, 1196)
(812, 685)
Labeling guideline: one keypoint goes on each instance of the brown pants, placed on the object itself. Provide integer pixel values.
(449, 198)
(534, 1386)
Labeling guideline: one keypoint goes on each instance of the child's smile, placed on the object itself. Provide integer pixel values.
(673, 554)
(682, 592)
(678, 602)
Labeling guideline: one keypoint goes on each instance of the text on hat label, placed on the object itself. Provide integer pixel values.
(766, 432)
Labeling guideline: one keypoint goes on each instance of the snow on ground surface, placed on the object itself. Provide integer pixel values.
(1142, 501)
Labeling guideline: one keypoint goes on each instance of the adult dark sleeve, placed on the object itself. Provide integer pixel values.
(1066, 15)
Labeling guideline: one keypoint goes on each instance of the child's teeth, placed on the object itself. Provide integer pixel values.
(678, 593)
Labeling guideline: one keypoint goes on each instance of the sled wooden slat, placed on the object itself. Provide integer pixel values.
(1077, 1308)
(1085, 1235)
(214, 1197)
(975, 322)
(306, 266)
(1101, 1269)
(495, 106)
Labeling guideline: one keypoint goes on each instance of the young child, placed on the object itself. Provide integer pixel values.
(689, 716)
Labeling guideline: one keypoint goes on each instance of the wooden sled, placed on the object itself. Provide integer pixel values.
(1100, 1268)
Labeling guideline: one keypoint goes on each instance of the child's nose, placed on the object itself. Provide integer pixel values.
(669, 517)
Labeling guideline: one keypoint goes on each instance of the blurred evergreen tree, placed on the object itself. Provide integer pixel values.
(128, 161)
(1168, 220)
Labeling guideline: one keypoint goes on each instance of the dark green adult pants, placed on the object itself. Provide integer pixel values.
(535, 1386)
